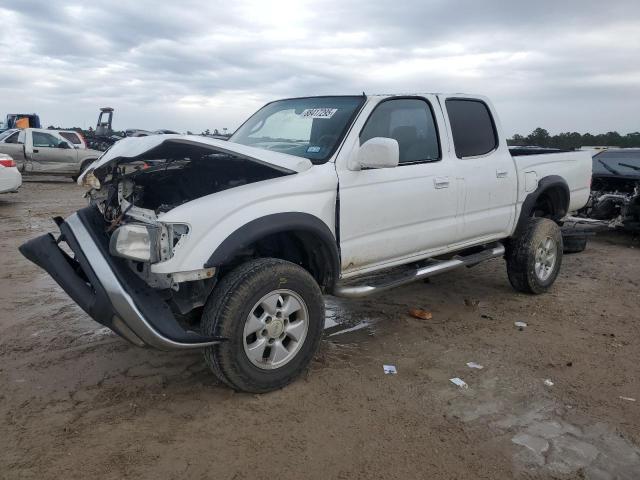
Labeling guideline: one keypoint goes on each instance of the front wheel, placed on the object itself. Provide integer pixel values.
(534, 257)
(272, 313)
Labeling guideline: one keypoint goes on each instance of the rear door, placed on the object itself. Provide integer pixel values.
(486, 172)
(52, 154)
(390, 215)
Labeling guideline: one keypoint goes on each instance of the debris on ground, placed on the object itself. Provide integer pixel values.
(548, 383)
(628, 399)
(474, 365)
(420, 314)
(459, 382)
(520, 325)
(389, 369)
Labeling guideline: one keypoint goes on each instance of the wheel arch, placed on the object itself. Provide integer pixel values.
(298, 237)
(551, 198)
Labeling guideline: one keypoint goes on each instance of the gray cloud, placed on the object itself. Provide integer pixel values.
(193, 65)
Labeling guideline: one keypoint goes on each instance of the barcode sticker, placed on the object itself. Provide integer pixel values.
(319, 112)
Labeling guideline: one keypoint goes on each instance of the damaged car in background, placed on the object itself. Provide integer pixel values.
(228, 246)
(615, 189)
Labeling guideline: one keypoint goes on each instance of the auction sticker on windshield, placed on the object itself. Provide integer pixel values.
(319, 112)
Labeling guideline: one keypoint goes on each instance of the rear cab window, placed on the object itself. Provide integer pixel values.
(72, 137)
(409, 121)
(472, 126)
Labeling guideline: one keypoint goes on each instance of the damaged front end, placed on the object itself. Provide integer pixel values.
(115, 241)
(615, 190)
(106, 288)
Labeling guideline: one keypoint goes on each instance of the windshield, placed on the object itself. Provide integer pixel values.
(623, 162)
(6, 133)
(307, 127)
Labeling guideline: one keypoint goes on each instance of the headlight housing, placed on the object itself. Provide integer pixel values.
(91, 181)
(147, 243)
(136, 241)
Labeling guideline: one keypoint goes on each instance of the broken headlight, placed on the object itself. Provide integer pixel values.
(91, 181)
(147, 243)
(136, 241)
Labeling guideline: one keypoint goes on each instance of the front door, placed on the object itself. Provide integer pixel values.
(390, 215)
(52, 154)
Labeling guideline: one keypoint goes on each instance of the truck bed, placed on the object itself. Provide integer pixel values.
(533, 164)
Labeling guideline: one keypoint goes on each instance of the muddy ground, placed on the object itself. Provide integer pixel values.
(78, 402)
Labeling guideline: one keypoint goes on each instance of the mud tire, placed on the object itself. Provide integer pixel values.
(230, 304)
(521, 256)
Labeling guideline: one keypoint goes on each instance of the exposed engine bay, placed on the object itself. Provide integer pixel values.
(615, 190)
(168, 177)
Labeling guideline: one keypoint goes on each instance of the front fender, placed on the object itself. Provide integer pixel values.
(238, 215)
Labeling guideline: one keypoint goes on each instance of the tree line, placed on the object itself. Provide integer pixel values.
(572, 140)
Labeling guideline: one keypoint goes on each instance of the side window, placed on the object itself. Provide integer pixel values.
(12, 138)
(41, 139)
(72, 137)
(410, 122)
(474, 132)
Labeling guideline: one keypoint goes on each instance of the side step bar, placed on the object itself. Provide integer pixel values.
(433, 267)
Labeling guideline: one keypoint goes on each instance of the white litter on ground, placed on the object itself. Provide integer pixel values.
(389, 369)
(548, 383)
(474, 365)
(628, 399)
(520, 324)
(459, 382)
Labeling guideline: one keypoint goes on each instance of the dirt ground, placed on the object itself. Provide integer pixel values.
(76, 401)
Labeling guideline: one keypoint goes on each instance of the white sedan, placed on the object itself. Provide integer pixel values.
(10, 178)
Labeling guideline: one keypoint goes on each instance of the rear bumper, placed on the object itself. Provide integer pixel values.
(106, 288)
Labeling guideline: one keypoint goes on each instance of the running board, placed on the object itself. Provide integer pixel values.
(433, 267)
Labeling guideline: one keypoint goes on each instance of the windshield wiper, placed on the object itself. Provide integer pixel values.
(611, 169)
(629, 166)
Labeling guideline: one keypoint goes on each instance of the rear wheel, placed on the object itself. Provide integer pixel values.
(534, 258)
(272, 313)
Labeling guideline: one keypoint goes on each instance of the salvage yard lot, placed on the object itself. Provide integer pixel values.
(77, 401)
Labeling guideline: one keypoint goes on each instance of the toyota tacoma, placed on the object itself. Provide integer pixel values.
(229, 246)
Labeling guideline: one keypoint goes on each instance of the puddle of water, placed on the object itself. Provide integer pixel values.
(339, 321)
(358, 326)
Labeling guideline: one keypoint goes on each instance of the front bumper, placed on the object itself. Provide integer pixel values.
(105, 287)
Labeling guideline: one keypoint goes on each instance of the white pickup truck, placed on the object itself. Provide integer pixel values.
(229, 246)
(51, 152)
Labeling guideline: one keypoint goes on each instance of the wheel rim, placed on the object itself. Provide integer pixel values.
(546, 258)
(275, 329)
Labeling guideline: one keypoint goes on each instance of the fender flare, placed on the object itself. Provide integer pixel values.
(278, 223)
(544, 185)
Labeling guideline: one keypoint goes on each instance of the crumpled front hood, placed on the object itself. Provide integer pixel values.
(134, 148)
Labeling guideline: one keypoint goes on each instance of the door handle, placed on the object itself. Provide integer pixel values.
(35, 150)
(502, 173)
(441, 182)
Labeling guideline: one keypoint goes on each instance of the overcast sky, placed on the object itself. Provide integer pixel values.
(563, 65)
